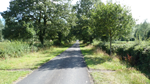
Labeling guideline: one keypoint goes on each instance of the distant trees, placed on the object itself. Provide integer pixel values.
(142, 31)
(83, 28)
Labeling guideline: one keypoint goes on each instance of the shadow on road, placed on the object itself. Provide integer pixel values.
(71, 58)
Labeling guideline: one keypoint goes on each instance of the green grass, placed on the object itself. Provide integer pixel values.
(119, 77)
(32, 60)
(8, 77)
(135, 53)
(99, 60)
(28, 61)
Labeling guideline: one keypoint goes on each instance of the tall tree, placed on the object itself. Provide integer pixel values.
(45, 15)
(112, 21)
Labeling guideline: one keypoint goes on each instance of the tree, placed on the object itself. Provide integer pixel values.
(83, 28)
(1, 27)
(142, 30)
(47, 17)
(16, 30)
(112, 21)
(71, 23)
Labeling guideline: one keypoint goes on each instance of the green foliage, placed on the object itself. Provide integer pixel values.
(27, 61)
(16, 31)
(84, 30)
(112, 21)
(137, 55)
(44, 19)
(13, 49)
(142, 31)
(106, 69)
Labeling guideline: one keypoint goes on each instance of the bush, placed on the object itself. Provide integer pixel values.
(13, 49)
(135, 54)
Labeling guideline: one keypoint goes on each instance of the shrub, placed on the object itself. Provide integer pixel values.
(13, 49)
(135, 54)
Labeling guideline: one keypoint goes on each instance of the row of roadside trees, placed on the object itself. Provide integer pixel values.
(42, 19)
(60, 21)
(107, 22)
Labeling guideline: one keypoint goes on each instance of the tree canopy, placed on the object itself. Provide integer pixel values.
(83, 28)
(142, 31)
(47, 18)
(58, 20)
(107, 22)
(112, 21)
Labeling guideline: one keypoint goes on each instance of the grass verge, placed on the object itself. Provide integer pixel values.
(110, 70)
(29, 61)
(8, 77)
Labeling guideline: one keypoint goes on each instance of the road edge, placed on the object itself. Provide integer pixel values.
(21, 78)
(90, 76)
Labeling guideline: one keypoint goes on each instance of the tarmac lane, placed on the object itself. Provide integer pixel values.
(67, 68)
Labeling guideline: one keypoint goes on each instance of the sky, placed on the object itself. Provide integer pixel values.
(139, 8)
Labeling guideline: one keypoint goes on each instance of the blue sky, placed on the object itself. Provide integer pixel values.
(139, 8)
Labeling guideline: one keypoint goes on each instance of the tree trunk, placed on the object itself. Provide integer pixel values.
(41, 38)
(42, 32)
(110, 35)
(110, 44)
(59, 37)
(91, 40)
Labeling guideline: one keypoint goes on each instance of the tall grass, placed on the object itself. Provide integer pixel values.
(107, 69)
(13, 49)
(134, 53)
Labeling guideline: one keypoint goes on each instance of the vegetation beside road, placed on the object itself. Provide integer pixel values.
(9, 67)
(8, 77)
(135, 53)
(107, 69)
(60, 22)
(31, 60)
(13, 49)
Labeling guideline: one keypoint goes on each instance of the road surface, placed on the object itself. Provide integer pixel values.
(66, 68)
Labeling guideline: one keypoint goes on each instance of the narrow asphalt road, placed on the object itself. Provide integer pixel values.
(66, 68)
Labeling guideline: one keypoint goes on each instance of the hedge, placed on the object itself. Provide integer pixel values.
(135, 54)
